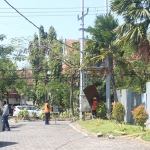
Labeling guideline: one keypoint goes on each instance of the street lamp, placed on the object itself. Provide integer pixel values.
(46, 82)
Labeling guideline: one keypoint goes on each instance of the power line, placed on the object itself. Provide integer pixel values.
(60, 8)
(54, 15)
(34, 24)
(97, 10)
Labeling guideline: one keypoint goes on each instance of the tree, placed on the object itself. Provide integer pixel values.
(44, 57)
(136, 14)
(72, 65)
(37, 51)
(9, 77)
(69, 73)
(55, 54)
(101, 45)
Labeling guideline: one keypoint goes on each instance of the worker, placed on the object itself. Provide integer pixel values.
(94, 105)
(47, 113)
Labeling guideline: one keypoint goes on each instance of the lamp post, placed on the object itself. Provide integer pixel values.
(82, 29)
(108, 109)
(46, 82)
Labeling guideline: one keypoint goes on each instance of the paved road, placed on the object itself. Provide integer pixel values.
(37, 136)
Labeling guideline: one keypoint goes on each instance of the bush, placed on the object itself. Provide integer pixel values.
(118, 112)
(34, 115)
(101, 109)
(42, 115)
(24, 114)
(20, 114)
(140, 115)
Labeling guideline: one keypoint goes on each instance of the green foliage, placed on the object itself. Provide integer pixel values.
(34, 115)
(132, 32)
(146, 137)
(65, 114)
(140, 115)
(42, 115)
(20, 114)
(24, 114)
(101, 109)
(109, 126)
(102, 37)
(118, 111)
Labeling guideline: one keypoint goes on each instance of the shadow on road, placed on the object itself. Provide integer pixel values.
(17, 126)
(3, 144)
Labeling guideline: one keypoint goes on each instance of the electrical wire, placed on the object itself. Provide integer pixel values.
(34, 24)
(60, 8)
(53, 15)
(56, 11)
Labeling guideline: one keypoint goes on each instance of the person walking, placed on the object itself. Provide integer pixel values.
(94, 105)
(5, 117)
(47, 113)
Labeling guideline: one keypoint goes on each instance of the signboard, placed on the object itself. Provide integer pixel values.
(55, 109)
(90, 92)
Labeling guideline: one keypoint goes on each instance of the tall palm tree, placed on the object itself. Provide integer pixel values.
(101, 45)
(136, 15)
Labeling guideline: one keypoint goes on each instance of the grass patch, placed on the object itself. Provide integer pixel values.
(109, 126)
(146, 137)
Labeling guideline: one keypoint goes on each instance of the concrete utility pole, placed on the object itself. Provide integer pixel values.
(108, 101)
(81, 56)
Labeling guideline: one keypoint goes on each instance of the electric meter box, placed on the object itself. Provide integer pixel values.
(84, 106)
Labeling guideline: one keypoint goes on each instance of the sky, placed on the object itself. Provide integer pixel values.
(61, 14)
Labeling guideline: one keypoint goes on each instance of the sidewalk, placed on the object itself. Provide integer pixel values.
(59, 136)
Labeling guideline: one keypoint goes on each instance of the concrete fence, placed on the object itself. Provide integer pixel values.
(131, 100)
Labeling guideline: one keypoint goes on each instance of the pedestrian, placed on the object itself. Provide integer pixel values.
(94, 105)
(5, 117)
(47, 113)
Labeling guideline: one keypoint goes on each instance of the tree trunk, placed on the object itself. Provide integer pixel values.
(71, 96)
(7, 98)
(113, 77)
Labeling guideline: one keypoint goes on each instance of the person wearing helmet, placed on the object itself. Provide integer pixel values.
(94, 105)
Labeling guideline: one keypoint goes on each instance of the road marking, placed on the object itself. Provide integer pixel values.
(78, 130)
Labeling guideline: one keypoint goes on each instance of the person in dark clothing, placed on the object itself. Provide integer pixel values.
(5, 117)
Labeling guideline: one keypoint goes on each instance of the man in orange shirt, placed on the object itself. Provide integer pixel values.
(94, 105)
(47, 112)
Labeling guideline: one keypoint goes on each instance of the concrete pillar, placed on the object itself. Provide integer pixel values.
(148, 107)
(144, 100)
(136, 100)
(126, 101)
(148, 87)
(148, 100)
(119, 95)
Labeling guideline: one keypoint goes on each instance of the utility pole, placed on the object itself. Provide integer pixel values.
(108, 101)
(81, 56)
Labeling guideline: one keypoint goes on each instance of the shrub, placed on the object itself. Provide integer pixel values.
(34, 115)
(118, 112)
(20, 114)
(140, 115)
(101, 109)
(24, 114)
(42, 115)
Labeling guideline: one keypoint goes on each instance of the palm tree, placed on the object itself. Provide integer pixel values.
(101, 45)
(136, 15)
